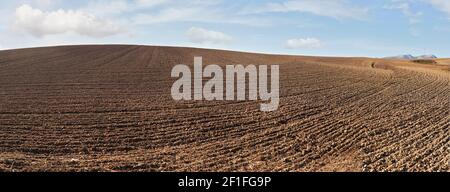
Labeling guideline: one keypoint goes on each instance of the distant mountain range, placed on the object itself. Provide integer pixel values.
(410, 57)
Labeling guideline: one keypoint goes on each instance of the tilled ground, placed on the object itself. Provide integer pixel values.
(108, 108)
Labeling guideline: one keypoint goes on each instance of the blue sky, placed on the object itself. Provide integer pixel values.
(300, 27)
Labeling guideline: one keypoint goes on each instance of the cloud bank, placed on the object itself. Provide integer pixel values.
(39, 23)
(303, 43)
(442, 5)
(203, 36)
(338, 9)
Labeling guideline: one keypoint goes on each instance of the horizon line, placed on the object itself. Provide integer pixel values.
(208, 48)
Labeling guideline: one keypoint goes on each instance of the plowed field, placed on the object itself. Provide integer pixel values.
(109, 108)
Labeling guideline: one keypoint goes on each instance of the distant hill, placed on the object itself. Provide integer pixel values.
(426, 57)
(407, 57)
(410, 57)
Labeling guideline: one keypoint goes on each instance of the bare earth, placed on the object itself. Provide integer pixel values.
(108, 108)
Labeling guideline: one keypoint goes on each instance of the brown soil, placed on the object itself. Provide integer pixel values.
(108, 108)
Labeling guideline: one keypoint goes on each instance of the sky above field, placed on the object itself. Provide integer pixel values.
(300, 27)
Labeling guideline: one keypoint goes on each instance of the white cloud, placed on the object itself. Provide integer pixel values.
(338, 9)
(107, 7)
(404, 7)
(443, 5)
(303, 43)
(200, 35)
(196, 11)
(116, 7)
(150, 3)
(39, 23)
(170, 15)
